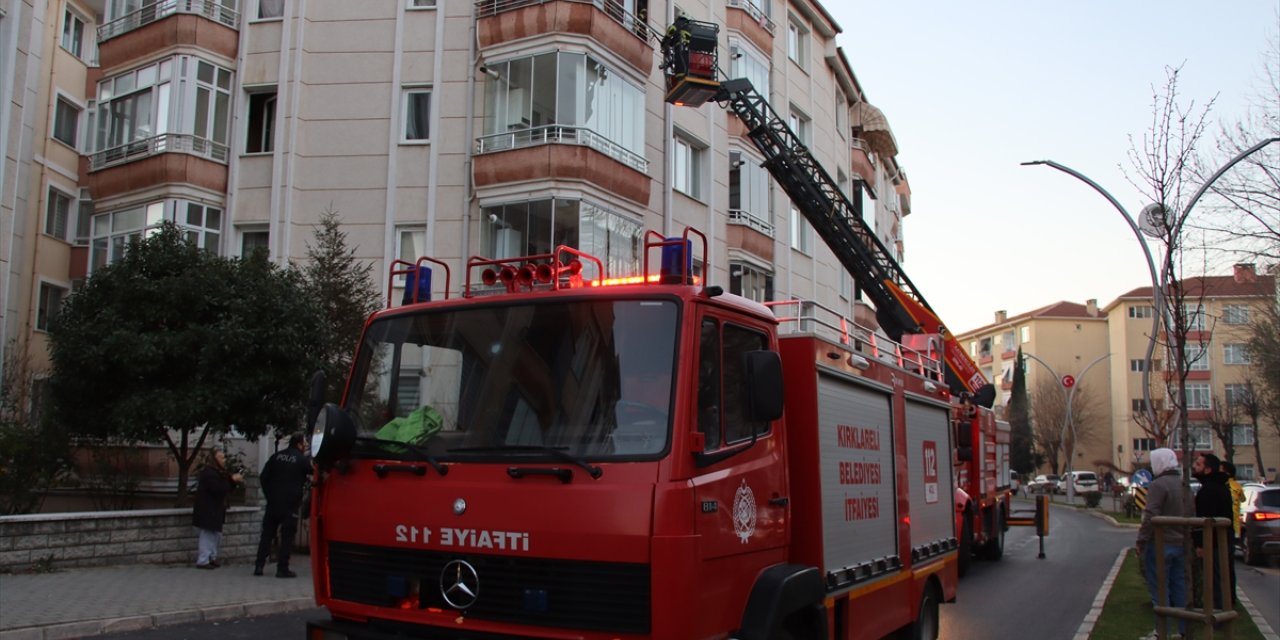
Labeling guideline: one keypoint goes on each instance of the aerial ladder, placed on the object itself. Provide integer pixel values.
(693, 78)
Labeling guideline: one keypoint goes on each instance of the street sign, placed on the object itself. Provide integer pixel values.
(1068, 381)
(1141, 477)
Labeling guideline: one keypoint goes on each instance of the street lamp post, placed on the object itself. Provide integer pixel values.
(1069, 394)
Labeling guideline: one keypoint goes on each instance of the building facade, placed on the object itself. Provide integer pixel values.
(496, 128)
(1105, 353)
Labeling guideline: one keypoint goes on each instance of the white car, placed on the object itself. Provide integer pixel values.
(1082, 480)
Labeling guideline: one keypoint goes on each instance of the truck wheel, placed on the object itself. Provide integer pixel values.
(994, 549)
(966, 545)
(926, 625)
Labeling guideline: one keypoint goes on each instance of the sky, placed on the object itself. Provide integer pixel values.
(972, 89)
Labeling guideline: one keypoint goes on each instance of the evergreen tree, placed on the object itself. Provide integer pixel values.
(172, 343)
(343, 288)
(1022, 455)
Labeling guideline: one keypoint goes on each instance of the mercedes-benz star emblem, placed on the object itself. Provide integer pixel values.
(459, 584)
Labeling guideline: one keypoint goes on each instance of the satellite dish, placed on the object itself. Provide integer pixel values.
(1154, 220)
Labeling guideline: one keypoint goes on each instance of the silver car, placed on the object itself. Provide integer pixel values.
(1260, 526)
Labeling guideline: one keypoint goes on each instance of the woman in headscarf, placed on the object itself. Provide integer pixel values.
(213, 485)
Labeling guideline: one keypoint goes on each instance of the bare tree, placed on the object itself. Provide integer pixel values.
(1049, 415)
(1264, 354)
(1222, 421)
(1250, 406)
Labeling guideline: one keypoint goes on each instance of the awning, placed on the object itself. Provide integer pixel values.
(871, 125)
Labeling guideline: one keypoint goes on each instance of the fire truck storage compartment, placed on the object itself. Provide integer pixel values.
(859, 520)
(929, 473)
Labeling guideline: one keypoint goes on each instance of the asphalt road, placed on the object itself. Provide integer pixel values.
(1019, 593)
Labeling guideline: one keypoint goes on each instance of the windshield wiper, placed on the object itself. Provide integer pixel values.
(423, 454)
(555, 452)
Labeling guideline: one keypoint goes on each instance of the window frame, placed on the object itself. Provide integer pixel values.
(259, 13)
(727, 410)
(1141, 312)
(1235, 314)
(688, 160)
(261, 115)
(407, 94)
(79, 45)
(419, 5)
(50, 227)
(797, 43)
(1236, 353)
(44, 316)
(243, 231)
(60, 102)
(413, 230)
(801, 232)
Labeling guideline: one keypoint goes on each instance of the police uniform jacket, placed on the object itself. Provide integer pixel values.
(282, 480)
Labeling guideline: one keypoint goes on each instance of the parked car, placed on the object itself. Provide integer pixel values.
(1081, 481)
(1260, 530)
(1044, 483)
(1015, 481)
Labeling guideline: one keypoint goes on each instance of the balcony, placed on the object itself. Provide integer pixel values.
(750, 233)
(561, 152)
(748, 20)
(165, 159)
(605, 21)
(201, 23)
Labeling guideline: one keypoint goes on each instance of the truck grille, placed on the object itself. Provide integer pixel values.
(600, 596)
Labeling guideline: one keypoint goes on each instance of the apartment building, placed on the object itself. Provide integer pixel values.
(1057, 340)
(1104, 351)
(1219, 310)
(498, 128)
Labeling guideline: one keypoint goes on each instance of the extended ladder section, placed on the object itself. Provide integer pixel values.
(900, 308)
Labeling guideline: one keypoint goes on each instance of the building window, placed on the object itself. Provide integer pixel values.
(744, 62)
(1235, 314)
(1198, 396)
(842, 114)
(1026, 334)
(1242, 434)
(1009, 341)
(1237, 394)
(213, 102)
(84, 217)
(539, 226)
(66, 122)
(47, 306)
(687, 159)
(1144, 444)
(183, 95)
(797, 43)
(260, 131)
(73, 33)
(113, 230)
(1193, 317)
(1196, 356)
(1140, 311)
(750, 282)
(422, 4)
(1245, 472)
(411, 244)
(1236, 353)
(254, 239)
(57, 214)
(801, 232)
(1137, 366)
(973, 348)
(801, 126)
(1201, 438)
(268, 9)
(749, 187)
(417, 114)
(563, 97)
(984, 348)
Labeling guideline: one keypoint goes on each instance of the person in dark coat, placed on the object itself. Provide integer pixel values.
(1214, 501)
(213, 485)
(283, 478)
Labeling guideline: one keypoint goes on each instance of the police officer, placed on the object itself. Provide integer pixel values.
(282, 478)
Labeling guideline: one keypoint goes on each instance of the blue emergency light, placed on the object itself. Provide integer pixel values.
(677, 261)
(419, 283)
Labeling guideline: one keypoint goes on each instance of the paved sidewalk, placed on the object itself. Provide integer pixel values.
(86, 602)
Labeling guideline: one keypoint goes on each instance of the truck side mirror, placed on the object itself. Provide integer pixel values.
(764, 385)
(333, 437)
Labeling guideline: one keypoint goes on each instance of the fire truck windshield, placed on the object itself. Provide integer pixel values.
(589, 378)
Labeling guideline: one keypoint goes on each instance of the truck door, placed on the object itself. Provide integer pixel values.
(742, 499)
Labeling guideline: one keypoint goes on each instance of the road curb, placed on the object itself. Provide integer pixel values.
(1100, 600)
(221, 613)
(1259, 621)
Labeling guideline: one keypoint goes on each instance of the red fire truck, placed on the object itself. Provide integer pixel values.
(560, 452)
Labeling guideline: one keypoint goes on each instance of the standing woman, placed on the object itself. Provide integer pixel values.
(213, 486)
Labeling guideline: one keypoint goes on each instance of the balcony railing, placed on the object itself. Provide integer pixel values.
(743, 217)
(211, 9)
(560, 134)
(163, 143)
(755, 12)
(611, 8)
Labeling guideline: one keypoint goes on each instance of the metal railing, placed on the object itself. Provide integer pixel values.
(163, 143)
(756, 13)
(807, 316)
(211, 9)
(633, 23)
(561, 134)
(746, 218)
